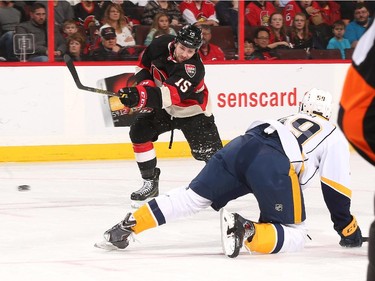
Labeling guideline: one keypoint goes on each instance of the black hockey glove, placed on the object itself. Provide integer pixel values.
(133, 96)
(351, 235)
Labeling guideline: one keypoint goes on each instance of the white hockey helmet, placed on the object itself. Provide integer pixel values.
(317, 102)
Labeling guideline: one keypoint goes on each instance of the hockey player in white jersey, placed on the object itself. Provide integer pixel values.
(275, 161)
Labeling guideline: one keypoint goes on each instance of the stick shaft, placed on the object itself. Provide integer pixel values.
(73, 71)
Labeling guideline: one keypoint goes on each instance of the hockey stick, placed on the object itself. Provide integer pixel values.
(73, 71)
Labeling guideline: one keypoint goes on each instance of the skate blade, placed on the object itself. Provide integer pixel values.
(105, 245)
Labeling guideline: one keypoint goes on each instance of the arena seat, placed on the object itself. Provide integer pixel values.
(223, 37)
(349, 53)
(140, 33)
(292, 54)
(334, 54)
(250, 32)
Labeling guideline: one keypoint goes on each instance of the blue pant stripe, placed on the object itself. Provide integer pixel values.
(280, 238)
(156, 211)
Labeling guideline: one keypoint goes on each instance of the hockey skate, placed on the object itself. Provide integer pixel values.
(234, 229)
(118, 237)
(149, 190)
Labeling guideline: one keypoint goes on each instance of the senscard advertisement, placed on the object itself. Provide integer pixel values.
(120, 115)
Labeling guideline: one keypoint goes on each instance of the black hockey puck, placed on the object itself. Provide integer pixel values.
(24, 187)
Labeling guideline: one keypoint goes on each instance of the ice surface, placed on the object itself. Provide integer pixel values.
(48, 233)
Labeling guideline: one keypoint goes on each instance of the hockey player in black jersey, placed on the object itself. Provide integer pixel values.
(170, 94)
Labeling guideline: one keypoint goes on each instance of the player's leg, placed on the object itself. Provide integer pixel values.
(143, 132)
(282, 211)
(202, 135)
(213, 181)
(273, 181)
(178, 203)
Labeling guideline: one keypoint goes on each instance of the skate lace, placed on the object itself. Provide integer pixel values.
(146, 188)
(249, 230)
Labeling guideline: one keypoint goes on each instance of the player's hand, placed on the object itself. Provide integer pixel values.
(133, 96)
(351, 235)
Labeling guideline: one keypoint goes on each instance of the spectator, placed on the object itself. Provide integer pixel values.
(167, 7)
(109, 50)
(356, 28)
(280, 4)
(308, 7)
(320, 14)
(322, 20)
(75, 44)
(347, 8)
(338, 41)
(227, 14)
(209, 51)
(300, 35)
(262, 51)
(114, 17)
(199, 12)
(69, 27)
(63, 11)
(249, 48)
(278, 35)
(130, 10)
(84, 9)
(329, 12)
(257, 13)
(159, 27)
(37, 26)
(10, 17)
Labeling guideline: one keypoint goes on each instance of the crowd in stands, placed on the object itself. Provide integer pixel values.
(120, 30)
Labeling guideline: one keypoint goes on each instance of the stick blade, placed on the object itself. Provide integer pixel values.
(69, 63)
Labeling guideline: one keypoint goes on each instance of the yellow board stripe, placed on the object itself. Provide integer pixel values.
(297, 198)
(87, 152)
(338, 187)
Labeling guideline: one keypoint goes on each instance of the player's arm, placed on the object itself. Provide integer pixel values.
(335, 178)
(146, 94)
(178, 87)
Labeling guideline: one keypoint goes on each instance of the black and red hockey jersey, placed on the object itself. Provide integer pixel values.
(181, 85)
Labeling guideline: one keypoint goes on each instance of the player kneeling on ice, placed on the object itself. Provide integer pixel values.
(274, 160)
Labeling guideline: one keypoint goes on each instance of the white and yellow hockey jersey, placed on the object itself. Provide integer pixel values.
(316, 146)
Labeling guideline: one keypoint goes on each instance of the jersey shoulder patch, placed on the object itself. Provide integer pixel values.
(191, 70)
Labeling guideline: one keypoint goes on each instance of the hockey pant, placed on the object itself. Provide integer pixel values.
(200, 132)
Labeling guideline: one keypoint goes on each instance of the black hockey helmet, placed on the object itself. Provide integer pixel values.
(190, 36)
